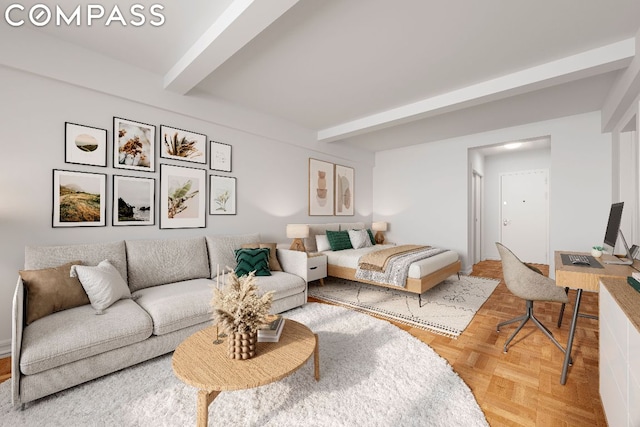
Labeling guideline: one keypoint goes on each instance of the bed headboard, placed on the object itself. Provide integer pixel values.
(314, 229)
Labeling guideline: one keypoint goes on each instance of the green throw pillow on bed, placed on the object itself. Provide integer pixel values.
(339, 240)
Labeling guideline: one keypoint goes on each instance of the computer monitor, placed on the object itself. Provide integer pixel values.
(611, 234)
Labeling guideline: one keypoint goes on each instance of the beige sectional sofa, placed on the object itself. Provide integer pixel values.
(170, 282)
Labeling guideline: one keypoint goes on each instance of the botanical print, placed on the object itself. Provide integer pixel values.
(85, 145)
(344, 190)
(182, 197)
(182, 145)
(222, 197)
(133, 201)
(79, 199)
(320, 187)
(220, 156)
(133, 145)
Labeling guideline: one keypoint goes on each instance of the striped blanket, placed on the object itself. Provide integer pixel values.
(396, 268)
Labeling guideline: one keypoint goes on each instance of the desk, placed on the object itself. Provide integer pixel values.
(584, 279)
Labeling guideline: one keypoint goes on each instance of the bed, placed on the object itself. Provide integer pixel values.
(423, 274)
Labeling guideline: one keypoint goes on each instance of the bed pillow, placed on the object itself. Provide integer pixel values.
(103, 284)
(373, 239)
(52, 289)
(322, 243)
(339, 240)
(274, 265)
(359, 239)
(249, 260)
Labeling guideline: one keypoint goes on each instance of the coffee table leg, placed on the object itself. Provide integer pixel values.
(316, 359)
(204, 400)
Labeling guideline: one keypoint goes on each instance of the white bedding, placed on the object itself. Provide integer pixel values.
(349, 258)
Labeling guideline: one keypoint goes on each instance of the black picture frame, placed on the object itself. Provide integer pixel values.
(183, 198)
(79, 199)
(134, 201)
(220, 156)
(133, 145)
(85, 145)
(193, 144)
(222, 195)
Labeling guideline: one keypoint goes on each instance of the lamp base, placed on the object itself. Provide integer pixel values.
(297, 245)
(379, 238)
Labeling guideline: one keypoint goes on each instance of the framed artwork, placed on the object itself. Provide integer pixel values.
(133, 200)
(220, 157)
(184, 145)
(79, 199)
(344, 190)
(320, 187)
(182, 197)
(222, 195)
(133, 145)
(85, 145)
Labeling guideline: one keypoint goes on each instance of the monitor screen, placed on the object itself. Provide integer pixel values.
(611, 235)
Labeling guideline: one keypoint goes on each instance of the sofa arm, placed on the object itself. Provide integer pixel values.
(294, 262)
(17, 322)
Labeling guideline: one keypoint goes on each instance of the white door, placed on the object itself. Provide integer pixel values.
(524, 214)
(477, 217)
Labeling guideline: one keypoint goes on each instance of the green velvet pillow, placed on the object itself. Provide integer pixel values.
(373, 239)
(252, 260)
(339, 240)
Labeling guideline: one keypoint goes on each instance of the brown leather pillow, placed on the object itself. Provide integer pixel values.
(274, 265)
(52, 289)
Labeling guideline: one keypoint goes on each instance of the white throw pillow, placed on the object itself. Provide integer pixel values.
(359, 239)
(103, 284)
(322, 243)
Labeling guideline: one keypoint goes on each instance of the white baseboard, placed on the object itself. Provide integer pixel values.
(5, 348)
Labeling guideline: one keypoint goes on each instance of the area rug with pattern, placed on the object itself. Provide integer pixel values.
(371, 374)
(447, 309)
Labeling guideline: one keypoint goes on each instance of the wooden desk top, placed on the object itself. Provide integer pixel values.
(627, 298)
(206, 366)
(588, 278)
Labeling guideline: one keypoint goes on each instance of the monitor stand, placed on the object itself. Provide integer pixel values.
(622, 261)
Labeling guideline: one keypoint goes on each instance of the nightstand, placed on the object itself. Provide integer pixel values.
(316, 268)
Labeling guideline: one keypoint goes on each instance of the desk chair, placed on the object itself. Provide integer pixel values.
(528, 283)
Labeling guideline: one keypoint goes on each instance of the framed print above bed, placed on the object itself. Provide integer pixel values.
(79, 199)
(133, 145)
(182, 197)
(85, 145)
(184, 145)
(321, 188)
(133, 200)
(344, 190)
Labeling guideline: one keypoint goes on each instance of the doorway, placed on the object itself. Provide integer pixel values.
(524, 214)
(476, 215)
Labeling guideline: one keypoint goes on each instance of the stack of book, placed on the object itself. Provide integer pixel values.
(271, 332)
(634, 280)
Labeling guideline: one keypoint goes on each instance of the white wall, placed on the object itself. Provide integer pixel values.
(423, 190)
(493, 167)
(272, 173)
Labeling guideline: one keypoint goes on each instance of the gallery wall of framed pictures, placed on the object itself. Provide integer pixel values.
(80, 197)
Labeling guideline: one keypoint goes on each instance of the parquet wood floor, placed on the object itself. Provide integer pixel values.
(521, 387)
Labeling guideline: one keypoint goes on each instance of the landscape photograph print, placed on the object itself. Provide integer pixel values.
(133, 200)
(133, 145)
(79, 199)
(182, 197)
(85, 145)
(179, 144)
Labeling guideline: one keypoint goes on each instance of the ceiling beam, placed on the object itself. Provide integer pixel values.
(236, 26)
(586, 64)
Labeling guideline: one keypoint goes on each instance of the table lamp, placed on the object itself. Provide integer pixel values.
(297, 232)
(379, 227)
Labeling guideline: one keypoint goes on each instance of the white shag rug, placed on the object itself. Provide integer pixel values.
(447, 309)
(371, 374)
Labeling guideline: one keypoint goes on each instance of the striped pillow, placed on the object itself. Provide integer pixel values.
(252, 260)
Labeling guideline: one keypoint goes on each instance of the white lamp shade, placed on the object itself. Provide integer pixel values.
(379, 226)
(297, 231)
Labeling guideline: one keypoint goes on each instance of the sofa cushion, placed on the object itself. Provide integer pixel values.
(50, 290)
(222, 250)
(282, 284)
(178, 305)
(77, 333)
(252, 260)
(102, 283)
(157, 262)
(274, 265)
(37, 257)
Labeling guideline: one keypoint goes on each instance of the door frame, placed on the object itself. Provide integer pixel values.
(477, 203)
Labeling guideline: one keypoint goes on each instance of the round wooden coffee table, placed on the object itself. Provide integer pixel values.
(204, 365)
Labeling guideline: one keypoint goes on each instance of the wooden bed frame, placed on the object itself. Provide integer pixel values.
(417, 286)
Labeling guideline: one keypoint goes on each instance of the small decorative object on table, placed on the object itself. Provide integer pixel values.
(240, 310)
(596, 251)
(272, 330)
